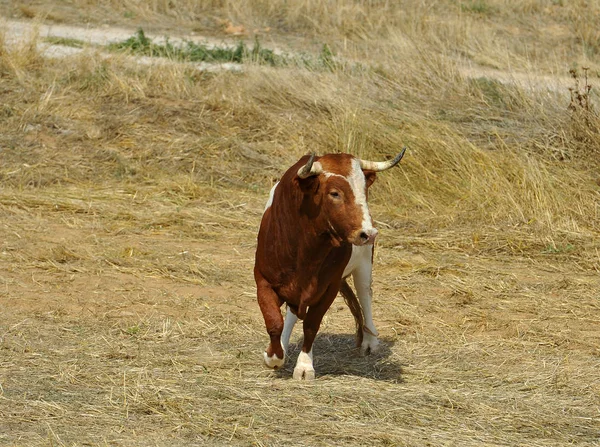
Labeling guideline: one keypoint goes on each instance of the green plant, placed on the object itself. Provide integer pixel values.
(477, 7)
(133, 330)
(326, 58)
(558, 248)
(65, 41)
(190, 51)
(491, 89)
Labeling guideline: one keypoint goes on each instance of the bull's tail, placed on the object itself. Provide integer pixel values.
(355, 308)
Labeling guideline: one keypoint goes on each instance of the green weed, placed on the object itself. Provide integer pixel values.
(477, 7)
(240, 53)
(65, 41)
(193, 52)
(491, 89)
(555, 249)
(133, 330)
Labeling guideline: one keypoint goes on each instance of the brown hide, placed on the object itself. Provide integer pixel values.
(303, 243)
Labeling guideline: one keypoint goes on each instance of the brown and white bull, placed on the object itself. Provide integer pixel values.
(315, 232)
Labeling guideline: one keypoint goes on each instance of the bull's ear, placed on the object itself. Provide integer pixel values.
(308, 184)
(307, 177)
(370, 177)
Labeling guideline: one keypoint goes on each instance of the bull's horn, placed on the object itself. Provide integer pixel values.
(381, 165)
(310, 168)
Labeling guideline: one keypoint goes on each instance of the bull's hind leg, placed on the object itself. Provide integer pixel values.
(363, 278)
(270, 305)
(288, 327)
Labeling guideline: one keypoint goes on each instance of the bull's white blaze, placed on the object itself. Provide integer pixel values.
(358, 185)
(359, 188)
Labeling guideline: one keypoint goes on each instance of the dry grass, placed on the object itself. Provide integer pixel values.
(130, 196)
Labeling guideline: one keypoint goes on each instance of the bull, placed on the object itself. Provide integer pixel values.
(315, 232)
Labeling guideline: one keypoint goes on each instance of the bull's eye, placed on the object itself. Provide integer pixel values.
(334, 194)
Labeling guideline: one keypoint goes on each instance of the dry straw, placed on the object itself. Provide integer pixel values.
(130, 196)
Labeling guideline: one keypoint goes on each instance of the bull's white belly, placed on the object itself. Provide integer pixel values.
(361, 255)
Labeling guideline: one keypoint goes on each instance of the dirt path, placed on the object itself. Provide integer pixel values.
(16, 31)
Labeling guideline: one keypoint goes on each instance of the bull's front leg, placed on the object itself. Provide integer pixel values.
(363, 278)
(304, 365)
(270, 305)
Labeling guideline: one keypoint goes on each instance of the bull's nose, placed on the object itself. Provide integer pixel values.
(368, 236)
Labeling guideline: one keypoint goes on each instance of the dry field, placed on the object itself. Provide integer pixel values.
(130, 197)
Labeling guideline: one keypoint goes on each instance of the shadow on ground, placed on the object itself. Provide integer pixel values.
(337, 355)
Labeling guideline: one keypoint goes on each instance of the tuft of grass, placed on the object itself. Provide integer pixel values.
(559, 248)
(192, 52)
(65, 41)
(492, 90)
(27, 12)
(477, 7)
(326, 58)
(188, 51)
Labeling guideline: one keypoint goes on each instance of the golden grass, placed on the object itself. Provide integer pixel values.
(130, 196)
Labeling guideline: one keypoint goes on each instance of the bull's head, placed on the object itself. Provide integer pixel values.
(337, 185)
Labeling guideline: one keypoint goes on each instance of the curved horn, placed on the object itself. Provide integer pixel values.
(381, 165)
(310, 168)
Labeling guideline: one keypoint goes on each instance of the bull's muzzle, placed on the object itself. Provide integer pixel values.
(365, 237)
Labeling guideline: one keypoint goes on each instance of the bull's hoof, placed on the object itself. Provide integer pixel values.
(369, 345)
(304, 373)
(304, 369)
(273, 361)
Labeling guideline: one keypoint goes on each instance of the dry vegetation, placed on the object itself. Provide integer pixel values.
(130, 196)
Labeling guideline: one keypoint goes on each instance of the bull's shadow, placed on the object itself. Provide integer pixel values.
(337, 355)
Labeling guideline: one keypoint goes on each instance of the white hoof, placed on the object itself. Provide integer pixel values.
(273, 361)
(304, 373)
(369, 345)
(304, 367)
